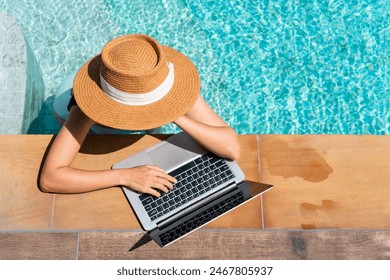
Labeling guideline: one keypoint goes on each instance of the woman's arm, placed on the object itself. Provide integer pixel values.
(209, 130)
(58, 176)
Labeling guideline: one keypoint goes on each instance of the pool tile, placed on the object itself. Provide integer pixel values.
(326, 181)
(22, 205)
(245, 216)
(11, 124)
(99, 210)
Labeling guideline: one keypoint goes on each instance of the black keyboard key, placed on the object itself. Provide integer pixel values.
(224, 167)
(182, 169)
(176, 192)
(159, 201)
(181, 190)
(214, 159)
(152, 212)
(199, 160)
(205, 157)
(146, 199)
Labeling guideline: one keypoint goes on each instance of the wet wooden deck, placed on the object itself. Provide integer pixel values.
(331, 199)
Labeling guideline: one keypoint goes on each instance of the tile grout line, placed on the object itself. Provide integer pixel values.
(262, 212)
(52, 211)
(78, 246)
(258, 156)
(259, 173)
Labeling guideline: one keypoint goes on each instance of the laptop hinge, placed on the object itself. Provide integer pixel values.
(197, 204)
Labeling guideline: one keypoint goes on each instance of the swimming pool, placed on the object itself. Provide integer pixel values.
(282, 66)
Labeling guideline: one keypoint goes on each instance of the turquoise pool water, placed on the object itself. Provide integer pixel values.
(282, 66)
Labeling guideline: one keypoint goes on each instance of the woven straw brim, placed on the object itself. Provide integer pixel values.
(105, 111)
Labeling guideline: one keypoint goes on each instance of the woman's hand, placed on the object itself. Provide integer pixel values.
(147, 179)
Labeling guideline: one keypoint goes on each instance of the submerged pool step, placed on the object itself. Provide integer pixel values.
(21, 85)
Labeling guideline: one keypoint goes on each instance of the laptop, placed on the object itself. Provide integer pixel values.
(207, 187)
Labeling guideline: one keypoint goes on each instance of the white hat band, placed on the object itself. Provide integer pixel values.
(139, 99)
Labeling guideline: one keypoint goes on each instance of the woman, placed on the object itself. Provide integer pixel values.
(134, 84)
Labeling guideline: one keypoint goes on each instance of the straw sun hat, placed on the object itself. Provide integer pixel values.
(136, 83)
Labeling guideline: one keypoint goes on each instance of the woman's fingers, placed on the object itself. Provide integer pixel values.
(162, 181)
(152, 191)
(150, 179)
(162, 174)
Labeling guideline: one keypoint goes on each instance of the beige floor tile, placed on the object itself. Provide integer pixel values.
(99, 210)
(22, 205)
(245, 216)
(326, 181)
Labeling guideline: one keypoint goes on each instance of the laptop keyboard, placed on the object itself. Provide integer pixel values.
(193, 179)
(201, 218)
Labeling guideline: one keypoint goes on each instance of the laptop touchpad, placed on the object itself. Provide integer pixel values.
(167, 155)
